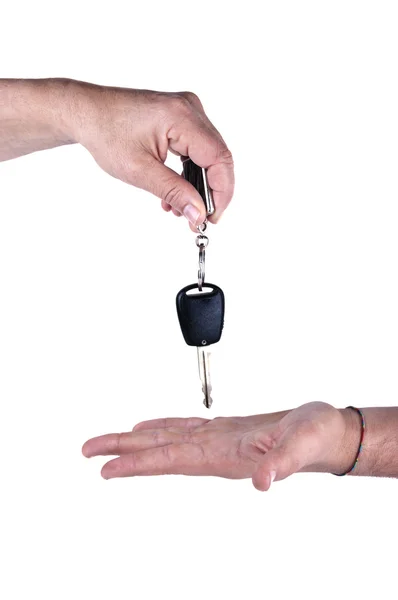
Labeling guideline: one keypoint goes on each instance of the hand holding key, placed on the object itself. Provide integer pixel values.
(128, 132)
(313, 437)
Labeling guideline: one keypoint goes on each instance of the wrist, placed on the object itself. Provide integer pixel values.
(342, 439)
(59, 98)
(347, 449)
(66, 107)
(46, 103)
(79, 110)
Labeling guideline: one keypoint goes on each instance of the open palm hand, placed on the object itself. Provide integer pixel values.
(263, 447)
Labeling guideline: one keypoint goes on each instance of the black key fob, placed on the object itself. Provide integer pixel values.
(201, 314)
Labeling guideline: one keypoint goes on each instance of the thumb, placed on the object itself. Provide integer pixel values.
(174, 190)
(288, 457)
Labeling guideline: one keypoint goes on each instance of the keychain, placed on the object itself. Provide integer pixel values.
(201, 313)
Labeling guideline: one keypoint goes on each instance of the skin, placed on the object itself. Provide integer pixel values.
(128, 132)
(315, 437)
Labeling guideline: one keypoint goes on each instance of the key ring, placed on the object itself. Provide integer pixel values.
(201, 242)
(202, 228)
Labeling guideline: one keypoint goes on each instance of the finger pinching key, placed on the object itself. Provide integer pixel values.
(201, 317)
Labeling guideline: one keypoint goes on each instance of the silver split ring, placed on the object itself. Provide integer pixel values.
(202, 228)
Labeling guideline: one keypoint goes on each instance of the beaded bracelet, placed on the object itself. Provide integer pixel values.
(360, 442)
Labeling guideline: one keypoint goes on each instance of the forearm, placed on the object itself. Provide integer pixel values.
(34, 115)
(379, 454)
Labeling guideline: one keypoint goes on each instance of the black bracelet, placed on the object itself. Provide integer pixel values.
(360, 443)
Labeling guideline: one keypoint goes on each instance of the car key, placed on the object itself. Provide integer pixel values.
(198, 178)
(200, 313)
(201, 317)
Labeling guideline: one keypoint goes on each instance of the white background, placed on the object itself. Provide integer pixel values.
(305, 94)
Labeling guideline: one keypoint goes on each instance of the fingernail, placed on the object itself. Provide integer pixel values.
(191, 213)
(272, 476)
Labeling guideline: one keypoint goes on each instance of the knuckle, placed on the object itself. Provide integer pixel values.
(155, 437)
(188, 438)
(219, 150)
(194, 422)
(173, 196)
(191, 97)
(218, 419)
(201, 453)
(180, 104)
(167, 452)
(225, 156)
(121, 441)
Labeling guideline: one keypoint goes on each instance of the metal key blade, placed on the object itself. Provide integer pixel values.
(204, 374)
